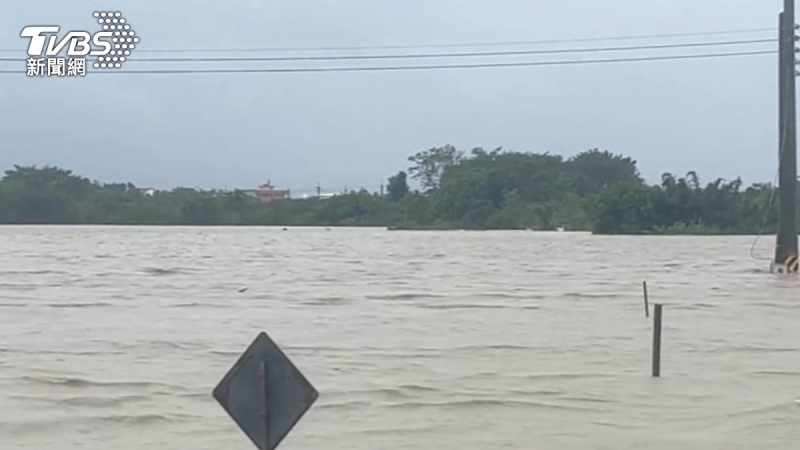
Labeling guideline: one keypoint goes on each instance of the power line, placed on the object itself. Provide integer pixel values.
(426, 67)
(451, 45)
(450, 55)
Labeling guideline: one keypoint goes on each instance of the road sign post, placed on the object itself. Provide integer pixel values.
(265, 394)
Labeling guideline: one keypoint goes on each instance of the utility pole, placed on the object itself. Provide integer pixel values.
(786, 250)
(319, 191)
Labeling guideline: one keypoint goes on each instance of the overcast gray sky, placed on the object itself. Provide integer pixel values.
(355, 129)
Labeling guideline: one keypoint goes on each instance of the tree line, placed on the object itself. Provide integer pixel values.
(593, 191)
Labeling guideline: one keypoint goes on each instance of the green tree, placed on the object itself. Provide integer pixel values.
(429, 165)
(593, 170)
(397, 187)
(625, 209)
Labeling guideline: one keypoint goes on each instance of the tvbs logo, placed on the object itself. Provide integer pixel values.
(111, 47)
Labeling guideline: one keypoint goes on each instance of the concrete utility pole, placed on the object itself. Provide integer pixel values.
(786, 250)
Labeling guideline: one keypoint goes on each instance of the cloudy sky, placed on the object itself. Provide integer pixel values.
(354, 129)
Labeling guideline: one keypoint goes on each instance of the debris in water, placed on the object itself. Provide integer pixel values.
(244, 289)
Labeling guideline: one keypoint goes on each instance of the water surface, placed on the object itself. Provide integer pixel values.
(113, 337)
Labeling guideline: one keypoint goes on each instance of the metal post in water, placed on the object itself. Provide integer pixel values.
(657, 340)
(646, 301)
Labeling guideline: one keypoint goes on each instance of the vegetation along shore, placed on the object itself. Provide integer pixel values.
(594, 191)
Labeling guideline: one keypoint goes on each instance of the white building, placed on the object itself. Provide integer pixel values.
(322, 195)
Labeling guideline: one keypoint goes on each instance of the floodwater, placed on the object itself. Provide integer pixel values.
(114, 337)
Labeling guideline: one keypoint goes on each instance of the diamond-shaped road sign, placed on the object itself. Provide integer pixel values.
(264, 393)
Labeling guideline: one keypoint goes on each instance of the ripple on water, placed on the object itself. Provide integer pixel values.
(469, 306)
(80, 305)
(144, 421)
(84, 401)
(484, 403)
(82, 383)
(161, 272)
(404, 297)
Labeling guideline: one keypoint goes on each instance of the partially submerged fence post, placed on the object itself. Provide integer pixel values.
(657, 340)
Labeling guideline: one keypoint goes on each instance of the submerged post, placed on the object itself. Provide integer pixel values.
(646, 301)
(657, 340)
(786, 249)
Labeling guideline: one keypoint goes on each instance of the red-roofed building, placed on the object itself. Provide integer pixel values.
(267, 193)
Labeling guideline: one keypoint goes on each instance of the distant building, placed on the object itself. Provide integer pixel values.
(267, 193)
(148, 192)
